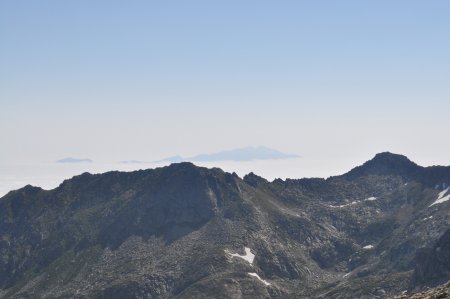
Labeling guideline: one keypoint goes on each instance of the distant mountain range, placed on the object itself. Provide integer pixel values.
(240, 154)
(74, 160)
(250, 153)
(184, 231)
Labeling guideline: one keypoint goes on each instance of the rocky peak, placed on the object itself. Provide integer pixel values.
(385, 163)
(254, 180)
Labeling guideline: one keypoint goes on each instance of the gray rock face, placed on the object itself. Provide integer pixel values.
(188, 232)
(433, 264)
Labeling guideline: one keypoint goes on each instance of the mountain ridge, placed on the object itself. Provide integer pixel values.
(169, 232)
(375, 166)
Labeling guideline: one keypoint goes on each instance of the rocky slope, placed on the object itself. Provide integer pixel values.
(440, 292)
(188, 232)
(433, 264)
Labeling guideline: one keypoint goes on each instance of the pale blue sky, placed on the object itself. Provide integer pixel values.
(329, 80)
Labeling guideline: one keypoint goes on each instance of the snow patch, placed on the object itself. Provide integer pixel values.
(346, 205)
(441, 197)
(370, 198)
(367, 247)
(259, 278)
(427, 218)
(345, 275)
(248, 256)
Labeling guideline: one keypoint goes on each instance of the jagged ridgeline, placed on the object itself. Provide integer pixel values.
(184, 231)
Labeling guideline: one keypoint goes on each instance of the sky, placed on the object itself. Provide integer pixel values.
(333, 81)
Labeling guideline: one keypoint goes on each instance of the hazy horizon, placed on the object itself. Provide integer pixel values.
(49, 175)
(334, 82)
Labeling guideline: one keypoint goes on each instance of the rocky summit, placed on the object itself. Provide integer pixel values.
(183, 231)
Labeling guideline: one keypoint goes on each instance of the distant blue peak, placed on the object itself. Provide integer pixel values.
(240, 154)
(74, 160)
(173, 159)
(133, 162)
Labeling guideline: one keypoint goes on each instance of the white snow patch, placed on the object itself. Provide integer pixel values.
(345, 275)
(259, 278)
(248, 256)
(427, 218)
(368, 247)
(343, 206)
(441, 197)
(354, 202)
(442, 193)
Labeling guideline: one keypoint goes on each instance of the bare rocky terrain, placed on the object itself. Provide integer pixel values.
(441, 292)
(184, 231)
